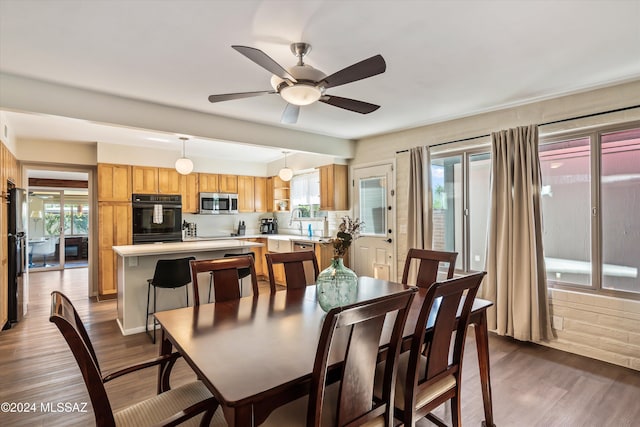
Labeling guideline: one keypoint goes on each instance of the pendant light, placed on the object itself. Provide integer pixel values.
(184, 166)
(285, 173)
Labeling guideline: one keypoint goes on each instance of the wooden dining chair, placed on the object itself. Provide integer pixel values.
(428, 265)
(429, 373)
(294, 264)
(170, 407)
(225, 276)
(355, 331)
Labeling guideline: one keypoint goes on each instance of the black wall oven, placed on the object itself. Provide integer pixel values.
(156, 218)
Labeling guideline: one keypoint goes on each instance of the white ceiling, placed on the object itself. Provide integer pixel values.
(445, 59)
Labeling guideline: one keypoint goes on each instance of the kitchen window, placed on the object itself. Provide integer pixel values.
(590, 205)
(305, 193)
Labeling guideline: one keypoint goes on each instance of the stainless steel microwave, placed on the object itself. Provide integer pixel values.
(218, 203)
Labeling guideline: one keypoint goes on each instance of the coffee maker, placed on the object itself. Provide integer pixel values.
(268, 226)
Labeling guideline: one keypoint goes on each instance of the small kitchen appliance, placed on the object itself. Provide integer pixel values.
(268, 226)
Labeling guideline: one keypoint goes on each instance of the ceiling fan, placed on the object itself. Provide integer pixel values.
(303, 85)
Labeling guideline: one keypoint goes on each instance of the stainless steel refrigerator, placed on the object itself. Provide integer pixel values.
(17, 251)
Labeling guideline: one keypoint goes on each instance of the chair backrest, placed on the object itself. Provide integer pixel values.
(172, 273)
(294, 267)
(429, 263)
(242, 272)
(65, 317)
(441, 306)
(225, 276)
(364, 321)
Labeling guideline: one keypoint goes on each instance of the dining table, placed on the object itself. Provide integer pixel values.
(257, 353)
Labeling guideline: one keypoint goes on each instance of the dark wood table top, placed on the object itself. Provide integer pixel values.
(260, 347)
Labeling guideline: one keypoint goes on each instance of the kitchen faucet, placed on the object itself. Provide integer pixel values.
(299, 211)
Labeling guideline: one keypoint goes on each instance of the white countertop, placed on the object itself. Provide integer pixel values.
(290, 237)
(183, 247)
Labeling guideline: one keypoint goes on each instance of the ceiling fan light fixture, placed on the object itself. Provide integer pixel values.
(301, 94)
(285, 173)
(184, 166)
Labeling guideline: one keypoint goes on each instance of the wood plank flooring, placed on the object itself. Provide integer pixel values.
(532, 385)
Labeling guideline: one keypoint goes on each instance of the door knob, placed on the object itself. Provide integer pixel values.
(388, 240)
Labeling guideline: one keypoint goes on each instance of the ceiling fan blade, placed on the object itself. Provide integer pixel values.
(349, 104)
(290, 114)
(265, 61)
(239, 95)
(361, 70)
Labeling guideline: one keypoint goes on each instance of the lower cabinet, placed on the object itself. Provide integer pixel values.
(260, 262)
(324, 255)
(114, 229)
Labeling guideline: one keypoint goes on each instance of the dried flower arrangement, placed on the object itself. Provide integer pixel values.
(348, 231)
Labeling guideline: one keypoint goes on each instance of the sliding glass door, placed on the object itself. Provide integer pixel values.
(58, 228)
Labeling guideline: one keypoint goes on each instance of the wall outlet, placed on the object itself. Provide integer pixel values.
(557, 322)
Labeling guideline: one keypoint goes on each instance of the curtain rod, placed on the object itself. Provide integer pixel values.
(543, 124)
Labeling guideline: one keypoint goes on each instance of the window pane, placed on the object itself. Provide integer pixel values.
(446, 187)
(305, 193)
(479, 189)
(620, 207)
(566, 211)
(373, 205)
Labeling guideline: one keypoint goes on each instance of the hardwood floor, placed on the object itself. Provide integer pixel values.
(532, 385)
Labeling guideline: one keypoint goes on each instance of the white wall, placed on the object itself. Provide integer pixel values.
(7, 135)
(57, 152)
(25, 94)
(592, 325)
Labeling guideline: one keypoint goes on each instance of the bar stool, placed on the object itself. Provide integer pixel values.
(242, 273)
(169, 274)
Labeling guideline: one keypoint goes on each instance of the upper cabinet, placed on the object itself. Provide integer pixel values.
(114, 183)
(246, 203)
(260, 194)
(208, 183)
(333, 188)
(189, 192)
(228, 183)
(170, 181)
(144, 180)
(269, 194)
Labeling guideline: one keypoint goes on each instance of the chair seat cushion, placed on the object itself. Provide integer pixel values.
(162, 406)
(426, 395)
(295, 413)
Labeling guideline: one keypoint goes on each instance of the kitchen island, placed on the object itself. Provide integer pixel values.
(136, 264)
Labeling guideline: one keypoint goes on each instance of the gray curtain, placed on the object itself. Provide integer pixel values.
(516, 280)
(419, 222)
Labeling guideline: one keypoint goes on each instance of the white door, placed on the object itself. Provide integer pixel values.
(374, 204)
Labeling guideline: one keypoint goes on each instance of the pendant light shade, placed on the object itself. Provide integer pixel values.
(285, 173)
(184, 166)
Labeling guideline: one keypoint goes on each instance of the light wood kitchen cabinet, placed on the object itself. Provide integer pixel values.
(189, 192)
(144, 180)
(114, 183)
(228, 183)
(208, 183)
(260, 262)
(245, 194)
(114, 228)
(324, 255)
(260, 194)
(170, 181)
(333, 188)
(280, 194)
(269, 195)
